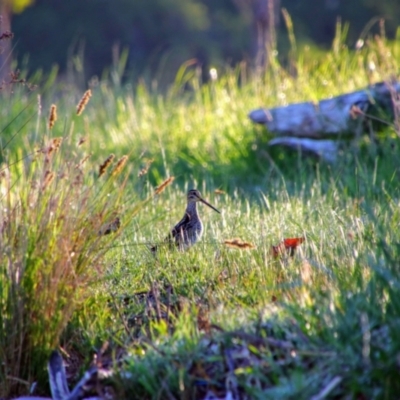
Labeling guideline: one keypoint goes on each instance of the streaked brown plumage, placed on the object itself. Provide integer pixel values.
(189, 229)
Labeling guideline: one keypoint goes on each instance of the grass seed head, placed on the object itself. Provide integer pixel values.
(167, 182)
(103, 167)
(119, 166)
(48, 178)
(52, 116)
(51, 148)
(56, 143)
(83, 102)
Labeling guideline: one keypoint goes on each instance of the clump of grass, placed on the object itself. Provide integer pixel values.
(56, 226)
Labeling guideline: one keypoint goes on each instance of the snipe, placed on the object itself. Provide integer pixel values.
(189, 229)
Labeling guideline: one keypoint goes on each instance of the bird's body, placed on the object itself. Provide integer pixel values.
(189, 229)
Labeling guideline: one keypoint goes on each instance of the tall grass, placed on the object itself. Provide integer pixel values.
(194, 130)
(56, 212)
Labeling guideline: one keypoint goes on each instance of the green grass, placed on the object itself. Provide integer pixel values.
(213, 318)
(325, 301)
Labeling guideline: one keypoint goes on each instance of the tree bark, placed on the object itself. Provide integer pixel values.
(265, 16)
(5, 44)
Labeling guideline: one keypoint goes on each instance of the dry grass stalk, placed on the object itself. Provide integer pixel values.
(48, 178)
(84, 159)
(83, 102)
(56, 143)
(78, 178)
(145, 169)
(119, 166)
(239, 244)
(219, 191)
(53, 147)
(167, 182)
(52, 116)
(103, 167)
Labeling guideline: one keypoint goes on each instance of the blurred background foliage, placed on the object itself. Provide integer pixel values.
(160, 35)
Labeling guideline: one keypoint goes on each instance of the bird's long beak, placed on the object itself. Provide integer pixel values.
(209, 205)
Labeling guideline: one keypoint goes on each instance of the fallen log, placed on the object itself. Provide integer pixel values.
(324, 149)
(319, 128)
(329, 118)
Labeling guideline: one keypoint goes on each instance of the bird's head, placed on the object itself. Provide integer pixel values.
(194, 196)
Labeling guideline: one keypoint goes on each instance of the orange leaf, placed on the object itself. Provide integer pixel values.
(292, 243)
(289, 245)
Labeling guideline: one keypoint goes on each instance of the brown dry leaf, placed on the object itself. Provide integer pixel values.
(238, 243)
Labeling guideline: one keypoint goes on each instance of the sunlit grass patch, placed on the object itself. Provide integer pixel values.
(336, 285)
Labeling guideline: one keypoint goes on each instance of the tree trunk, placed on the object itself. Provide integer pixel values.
(265, 16)
(5, 44)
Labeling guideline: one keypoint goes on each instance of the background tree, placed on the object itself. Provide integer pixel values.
(7, 8)
(162, 34)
